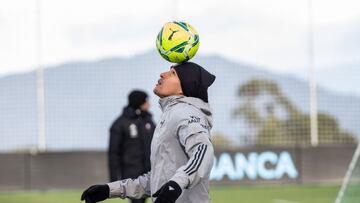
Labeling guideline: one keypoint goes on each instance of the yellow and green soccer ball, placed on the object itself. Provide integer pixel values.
(177, 42)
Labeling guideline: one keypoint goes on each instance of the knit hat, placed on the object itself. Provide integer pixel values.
(194, 80)
(136, 98)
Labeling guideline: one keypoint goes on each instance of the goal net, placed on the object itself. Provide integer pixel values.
(350, 189)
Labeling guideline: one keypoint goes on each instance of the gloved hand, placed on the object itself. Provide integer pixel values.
(168, 193)
(96, 193)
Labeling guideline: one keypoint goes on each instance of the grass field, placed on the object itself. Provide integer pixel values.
(231, 194)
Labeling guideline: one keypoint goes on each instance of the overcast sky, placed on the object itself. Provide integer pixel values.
(272, 34)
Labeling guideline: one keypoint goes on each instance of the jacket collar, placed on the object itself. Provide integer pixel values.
(129, 112)
(168, 101)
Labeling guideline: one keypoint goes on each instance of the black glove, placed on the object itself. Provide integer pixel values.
(96, 193)
(168, 193)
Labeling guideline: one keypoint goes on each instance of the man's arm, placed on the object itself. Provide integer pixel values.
(132, 188)
(114, 153)
(199, 149)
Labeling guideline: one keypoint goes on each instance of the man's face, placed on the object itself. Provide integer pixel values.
(145, 106)
(168, 84)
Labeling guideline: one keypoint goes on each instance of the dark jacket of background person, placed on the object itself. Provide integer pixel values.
(129, 147)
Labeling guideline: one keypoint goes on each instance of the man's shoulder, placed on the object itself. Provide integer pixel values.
(121, 121)
(184, 111)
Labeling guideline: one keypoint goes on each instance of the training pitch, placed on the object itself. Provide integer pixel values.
(230, 194)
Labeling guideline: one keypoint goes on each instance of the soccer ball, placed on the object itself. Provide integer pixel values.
(177, 42)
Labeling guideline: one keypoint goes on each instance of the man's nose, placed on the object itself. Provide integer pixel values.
(162, 75)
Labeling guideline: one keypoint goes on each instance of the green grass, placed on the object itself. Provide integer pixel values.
(278, 194)
(352, 193)
(230, 194)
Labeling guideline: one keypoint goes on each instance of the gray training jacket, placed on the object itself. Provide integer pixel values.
(181, 151)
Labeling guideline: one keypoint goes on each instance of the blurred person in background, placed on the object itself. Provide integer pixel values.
(130, 140)
(182, 154)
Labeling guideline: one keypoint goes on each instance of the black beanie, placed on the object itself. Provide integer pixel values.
(137, 98)
(194, 80)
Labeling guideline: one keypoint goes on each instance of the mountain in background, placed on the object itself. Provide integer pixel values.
(83, 98)
(341, 78)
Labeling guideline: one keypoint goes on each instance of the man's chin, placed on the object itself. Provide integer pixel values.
(156, 92)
